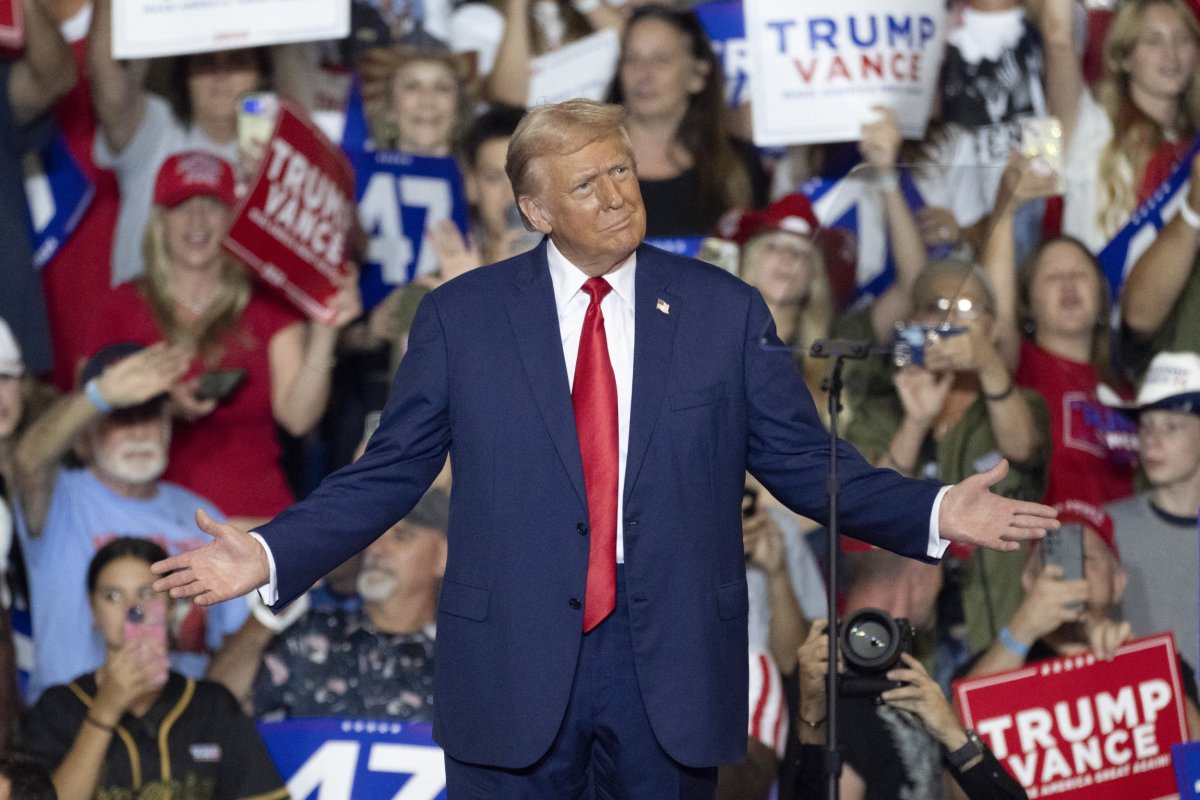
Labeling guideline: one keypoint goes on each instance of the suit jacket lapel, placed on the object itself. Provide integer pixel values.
(655, 319)
(534, 318)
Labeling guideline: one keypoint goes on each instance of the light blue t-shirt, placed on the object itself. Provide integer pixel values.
(85, 515)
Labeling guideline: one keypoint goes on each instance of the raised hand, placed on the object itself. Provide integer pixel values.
(231, 565)
(1049, 602)
(922, 393)
(881, 139)
(142, 376)
(971, 514)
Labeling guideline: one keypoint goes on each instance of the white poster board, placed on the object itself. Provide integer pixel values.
(148, 28)
(819, 68)
(581, 69)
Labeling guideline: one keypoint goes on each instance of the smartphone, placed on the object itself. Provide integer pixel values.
(720, 253)
(147, 623)
(1041, 138)
(219, 384)
(1064, 547)
(256, 114)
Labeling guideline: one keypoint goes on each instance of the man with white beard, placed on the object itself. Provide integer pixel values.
(119, 426)
(371, 662)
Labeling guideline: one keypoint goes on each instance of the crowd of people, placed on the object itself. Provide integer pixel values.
(146, 373)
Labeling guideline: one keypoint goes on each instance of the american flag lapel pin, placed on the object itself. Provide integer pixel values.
(663, 306)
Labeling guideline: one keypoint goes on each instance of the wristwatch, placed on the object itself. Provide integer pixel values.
(964, 755)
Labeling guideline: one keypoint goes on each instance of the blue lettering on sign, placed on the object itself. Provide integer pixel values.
(822, 29)
(781, 28)
(899, 32)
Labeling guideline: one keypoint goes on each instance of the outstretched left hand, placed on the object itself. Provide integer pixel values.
(971, 514)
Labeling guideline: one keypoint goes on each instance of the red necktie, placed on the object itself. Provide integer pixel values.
(594, 396)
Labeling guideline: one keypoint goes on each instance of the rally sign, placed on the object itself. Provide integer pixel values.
(726, 29)
(292, 226)
(1187, 769)
(400, 196)
(1075, 727)
(583, 68)
(147, 28)
(818, 73)
(341, 759)
(58, 193)
(12, 26)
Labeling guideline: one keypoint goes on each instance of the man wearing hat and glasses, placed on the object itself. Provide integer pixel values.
(119, 426)
(1157, 529)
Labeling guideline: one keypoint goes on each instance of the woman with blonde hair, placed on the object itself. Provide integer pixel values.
(1122, 144)
(256, 362)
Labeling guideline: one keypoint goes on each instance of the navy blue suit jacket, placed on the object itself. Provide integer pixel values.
(714, 394)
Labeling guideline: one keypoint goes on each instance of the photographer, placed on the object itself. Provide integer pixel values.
(968, 760)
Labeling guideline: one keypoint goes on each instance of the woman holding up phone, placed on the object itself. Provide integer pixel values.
(224, 446)
(132, 724)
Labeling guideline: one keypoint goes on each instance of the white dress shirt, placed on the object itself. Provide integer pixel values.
(617, 307)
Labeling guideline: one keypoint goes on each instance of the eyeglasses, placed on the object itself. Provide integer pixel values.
(964, 307)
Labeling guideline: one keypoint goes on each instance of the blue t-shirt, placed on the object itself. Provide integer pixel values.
(85, 515)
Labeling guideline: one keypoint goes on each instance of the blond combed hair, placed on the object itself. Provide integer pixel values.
(204, 337)
(1135, 135)
(558, 130)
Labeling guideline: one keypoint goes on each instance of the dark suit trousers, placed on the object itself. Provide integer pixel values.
(605, 749)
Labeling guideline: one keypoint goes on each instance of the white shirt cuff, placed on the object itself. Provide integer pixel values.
(935, 549)
(269, 591)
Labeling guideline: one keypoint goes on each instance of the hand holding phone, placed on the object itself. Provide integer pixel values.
(1041, 139)
(146, 638)
(1064, 548)
(219, 384)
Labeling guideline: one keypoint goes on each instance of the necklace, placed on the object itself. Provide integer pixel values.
(197, 307)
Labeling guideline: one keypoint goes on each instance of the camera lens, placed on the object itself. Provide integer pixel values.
(872, 640)
(867, 639)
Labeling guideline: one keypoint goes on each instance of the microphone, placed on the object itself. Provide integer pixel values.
(845, 348)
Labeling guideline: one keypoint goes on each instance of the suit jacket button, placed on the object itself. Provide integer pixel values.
(574, 603)
(630, 522)
(581, 529)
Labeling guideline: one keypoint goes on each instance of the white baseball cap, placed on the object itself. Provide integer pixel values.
(10, 352)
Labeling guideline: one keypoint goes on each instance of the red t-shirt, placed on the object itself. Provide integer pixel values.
(1093, 447)
(231, 456)
(80, 271)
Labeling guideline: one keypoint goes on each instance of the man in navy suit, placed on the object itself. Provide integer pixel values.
(590, 381)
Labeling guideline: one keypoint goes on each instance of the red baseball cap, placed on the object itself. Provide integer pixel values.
(193, 173)
(791, 213)
(1082, 513)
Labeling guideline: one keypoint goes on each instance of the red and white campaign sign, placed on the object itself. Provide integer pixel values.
(12, 26)
(292, 226)
(1076, 727)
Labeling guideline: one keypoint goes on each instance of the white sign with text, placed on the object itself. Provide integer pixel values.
(147, 28)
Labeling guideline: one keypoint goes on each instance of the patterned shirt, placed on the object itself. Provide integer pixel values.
(336, 663)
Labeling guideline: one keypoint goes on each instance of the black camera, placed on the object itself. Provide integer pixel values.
(871, 641)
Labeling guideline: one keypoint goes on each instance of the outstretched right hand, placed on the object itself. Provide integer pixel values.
(231, 565)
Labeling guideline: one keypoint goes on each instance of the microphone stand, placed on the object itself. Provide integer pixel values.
(838, 350)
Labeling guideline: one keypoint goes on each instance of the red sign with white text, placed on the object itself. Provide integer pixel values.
(12, 27)
(1076, 727)
(293, 225)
